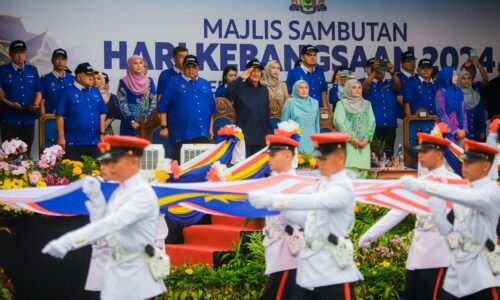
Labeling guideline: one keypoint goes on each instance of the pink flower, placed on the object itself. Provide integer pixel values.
(49, 179)
(19, 171)
(8, 148)
(4, 166)
(34, 177)
(43, 163)
(26, 164)
(395, 241)
(62, 181)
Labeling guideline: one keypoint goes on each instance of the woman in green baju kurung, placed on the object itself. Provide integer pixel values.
(354, 116)
(304, 110)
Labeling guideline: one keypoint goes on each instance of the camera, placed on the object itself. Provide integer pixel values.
(345, 73)
(382, 65)
(472, 52)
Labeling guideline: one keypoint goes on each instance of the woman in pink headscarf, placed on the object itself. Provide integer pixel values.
(136, 96)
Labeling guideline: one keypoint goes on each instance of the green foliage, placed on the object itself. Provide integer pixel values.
(242, 277)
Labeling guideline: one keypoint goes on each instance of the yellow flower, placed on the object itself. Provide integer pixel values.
(6, 208)
(189, 271)
(374, 273)
(96, 172)
(41, 183)
(161, 175)
(385, 264)
(356, 209)
(357, 264)
(312, 162)
(77, 171)
(66, 161)
(79, 164)
(82, 176)
(300, 160)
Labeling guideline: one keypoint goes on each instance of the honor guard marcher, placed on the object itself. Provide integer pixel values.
(136, 268)
(282, 239)
(474, 268)
(429, 254)
(326, 268)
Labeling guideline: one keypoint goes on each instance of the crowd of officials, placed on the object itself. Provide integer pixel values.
(367, 108)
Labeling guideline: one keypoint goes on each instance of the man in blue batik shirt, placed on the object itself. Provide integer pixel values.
(309, 72)
(186, 108)
(56, 82)
(81, 115)
(382, 94)
(420, 92)
(20, 94)
(180, 53)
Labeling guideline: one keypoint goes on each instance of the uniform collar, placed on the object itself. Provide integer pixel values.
(57, 74)
(292, 171)
(79, 86)
(131, 181)
(423, 80)
(16, 67)
(189, 79)
(407, 74)
(306, 70)
(439, 171)
(338, 176)
(482, 181)
(178, 71)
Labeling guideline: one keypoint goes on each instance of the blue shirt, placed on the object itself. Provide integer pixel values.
(165, 77)
(316, 80)
(189, 106)
(420, 94)
(82, 110)
(53, 86)
(384, 103)
(132, 106)
(333, 97)
(476, 122)
(19, 86)
(219, 92)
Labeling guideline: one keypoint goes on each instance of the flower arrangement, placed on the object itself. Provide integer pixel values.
(306, 161)
(17, 171)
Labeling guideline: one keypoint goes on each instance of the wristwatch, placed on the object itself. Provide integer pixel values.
(163, 126)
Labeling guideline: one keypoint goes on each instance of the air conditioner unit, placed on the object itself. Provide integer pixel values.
(190, 151)
(150, 157)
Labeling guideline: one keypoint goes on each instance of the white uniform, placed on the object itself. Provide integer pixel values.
(428, 249)
(130, 221)
(278, 257)
(330, 210)
(479, 207)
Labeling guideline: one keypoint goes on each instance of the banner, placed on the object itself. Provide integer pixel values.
(218, 198)
(221, 33)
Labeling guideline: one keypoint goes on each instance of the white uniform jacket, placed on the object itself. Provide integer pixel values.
(479, 206)
(428, 248)
(333, 205)
(130, 218)
(278, 257)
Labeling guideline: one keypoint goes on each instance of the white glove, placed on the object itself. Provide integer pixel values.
(58, 247)
(413, 184)
(92, 187)
(260, 200)
(364, 241)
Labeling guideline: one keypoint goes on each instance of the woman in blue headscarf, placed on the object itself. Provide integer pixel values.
(450, 104)
(304, 110)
